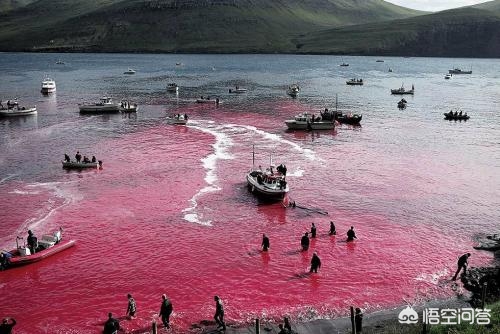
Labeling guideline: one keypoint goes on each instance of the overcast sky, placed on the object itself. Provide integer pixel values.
(435, 5)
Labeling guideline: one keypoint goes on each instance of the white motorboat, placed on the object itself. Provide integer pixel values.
(178, 119)
(208, 100)
(306, 121)
(48, 86)
(293, 90)
(129, 71)
(105, 105)
(172, 87)
(12, 108)
(448, 76)
(238, 90)
(269, 184)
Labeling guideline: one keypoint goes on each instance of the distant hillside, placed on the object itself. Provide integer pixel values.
(464, 32)
(6, 5)
(493, 6)
(181, 25)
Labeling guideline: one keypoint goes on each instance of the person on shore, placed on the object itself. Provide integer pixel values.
(286, 325)
(358, 320)
(462, 263)
(131, 308)
(351, 235)
(219, 313)
(333, 231)
(112, 325)
(315, 263)
(304, 242)
(32, 242)
(265, 243)
(78, 156)
(165, 311)
(66, 158)
(6, 326)
(313, 231)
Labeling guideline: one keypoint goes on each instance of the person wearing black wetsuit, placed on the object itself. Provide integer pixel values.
(332, 228)
(165, 311)
(112, 325)
(315, 263)
(219, 313)
(313, 231)
(351, 235)
(265, 243)
(462, 263)
(304, 242)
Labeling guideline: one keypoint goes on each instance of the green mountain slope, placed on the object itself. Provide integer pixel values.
(465, 32)
(182, 25)
(493, 6)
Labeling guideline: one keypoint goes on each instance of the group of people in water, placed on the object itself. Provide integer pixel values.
(78, 158)
(112, 325)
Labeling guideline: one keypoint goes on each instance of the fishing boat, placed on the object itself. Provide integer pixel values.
(403, 91)
(238, 90)
(293, 90)
(126, 106)
(379, 61)
(268, 184)
(172, 87)
(48, 245)
(12, 108)
(178, 119)
(306, 121)
(208, 100)
(81, 164)
(344, 64)
(459, 71)
(129, 71)
(456, 116)
(355, 82)
(105, 105)
(48, 86)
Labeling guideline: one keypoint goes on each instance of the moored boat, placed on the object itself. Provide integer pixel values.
(306, 121)
(129, 71)
(48, 245)
(172, 87)
(293, 90)
(48, 86)
(177, 119)
(355, 82)
(403, 91)
(448, 76)
(105, 105)
(12, 108)
(269, 184)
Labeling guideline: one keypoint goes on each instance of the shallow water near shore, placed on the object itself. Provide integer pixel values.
(170, 211)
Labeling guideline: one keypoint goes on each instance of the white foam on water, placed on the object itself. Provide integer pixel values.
(7, 177)
(433, 278)
(221, 147)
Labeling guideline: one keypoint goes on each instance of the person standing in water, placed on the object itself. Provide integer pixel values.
(165, 311)
(6, 326)
(313, 231)
(111, 326)
(219, 313)
(351, 235)
(304, 242)
(131, 308)
(315, 263)
(462, 263)
(332, 229)
(265, 243)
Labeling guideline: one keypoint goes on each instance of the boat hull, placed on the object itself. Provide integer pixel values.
(79, 165)
(352, 120)
(265, 192)
(399, 92)
(99, 109)
(459, 72)
(207, 101)
(18, 260)
(321, 125)
(456, 118)
(18, 112)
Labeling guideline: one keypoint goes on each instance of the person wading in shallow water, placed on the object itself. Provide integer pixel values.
(265, 243)
(351, 235)
(332, 229)
(6, 327)
(131, 308)
(315, 263)
(165, 311)
(313, 231)
(219, 313)
(462, 263)
(111, 326)
(304, 242)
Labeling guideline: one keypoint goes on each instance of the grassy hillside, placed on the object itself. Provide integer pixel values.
(466, 32)
(493, 6)
(181, 25)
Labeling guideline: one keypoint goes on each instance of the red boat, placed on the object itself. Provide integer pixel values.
(47, 246)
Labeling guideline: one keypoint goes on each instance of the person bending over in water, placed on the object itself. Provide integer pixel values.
(265, 243)
(351, 235)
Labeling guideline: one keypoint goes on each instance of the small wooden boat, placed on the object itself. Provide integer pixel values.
(455, 116)
(355, 82)
(48, 245)
(81, 165)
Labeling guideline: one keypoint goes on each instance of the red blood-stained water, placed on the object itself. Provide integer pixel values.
(170, 213)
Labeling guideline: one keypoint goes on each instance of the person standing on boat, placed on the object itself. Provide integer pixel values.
(112, 325)
(351, 235)
(462, 263)
(78, 156)
(332, 229)
(6, 326)
(265, 243)
(131, 307)
(94, 159)
(313, 231)
(304, 242)
(219, 313)
(315, 263)
(66, 158)
(32, 242)
(165, 311)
